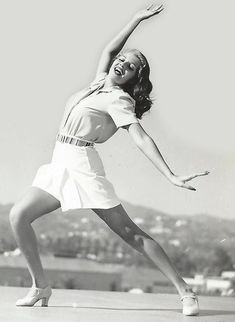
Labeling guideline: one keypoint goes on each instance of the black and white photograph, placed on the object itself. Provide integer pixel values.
(117, 164)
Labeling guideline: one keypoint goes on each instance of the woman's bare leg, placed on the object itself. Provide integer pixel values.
(118, 220)
(33, 205)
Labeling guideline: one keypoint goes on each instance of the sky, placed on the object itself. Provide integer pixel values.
(50, 49)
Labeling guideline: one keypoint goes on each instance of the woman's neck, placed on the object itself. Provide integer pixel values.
(110, 83)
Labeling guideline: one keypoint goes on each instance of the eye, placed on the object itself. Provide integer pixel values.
(132, 66)
(121, 58)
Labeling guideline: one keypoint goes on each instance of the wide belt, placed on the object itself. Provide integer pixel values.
(72, 140)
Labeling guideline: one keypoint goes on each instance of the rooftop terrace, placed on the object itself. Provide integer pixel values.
(97, 306)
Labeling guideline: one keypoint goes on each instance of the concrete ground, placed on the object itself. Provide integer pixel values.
(97, 306)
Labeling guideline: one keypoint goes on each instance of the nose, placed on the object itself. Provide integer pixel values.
(124, 63)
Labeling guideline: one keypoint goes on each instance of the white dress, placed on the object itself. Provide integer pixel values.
(75, 176)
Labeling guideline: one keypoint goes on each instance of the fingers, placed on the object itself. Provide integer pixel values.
(155, 8)
(199, 174)
(193, 176)
(149, 7)
(205, 173)
(181, 183)
(187, 186)
(159, 8)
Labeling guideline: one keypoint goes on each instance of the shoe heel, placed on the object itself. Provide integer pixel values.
(45, 301)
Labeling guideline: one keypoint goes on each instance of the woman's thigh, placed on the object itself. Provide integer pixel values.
(119, 221)
(35, 203)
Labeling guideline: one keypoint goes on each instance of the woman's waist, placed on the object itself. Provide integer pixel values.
(83, 137)
(75, 159)
(74, 140)
(69, 155)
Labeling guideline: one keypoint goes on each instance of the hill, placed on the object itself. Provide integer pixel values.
(202, 239)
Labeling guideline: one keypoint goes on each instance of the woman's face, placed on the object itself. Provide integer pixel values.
(124, 68)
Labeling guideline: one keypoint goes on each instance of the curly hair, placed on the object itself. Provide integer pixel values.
(140, 86)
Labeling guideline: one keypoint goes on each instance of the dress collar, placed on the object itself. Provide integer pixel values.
(108, 89)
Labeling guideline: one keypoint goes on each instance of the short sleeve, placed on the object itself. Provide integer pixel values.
(122, 110)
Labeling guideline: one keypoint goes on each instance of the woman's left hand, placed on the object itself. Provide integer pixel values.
(150, 11)
(180, 181)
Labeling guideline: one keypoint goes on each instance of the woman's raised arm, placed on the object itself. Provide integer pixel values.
(116, 44)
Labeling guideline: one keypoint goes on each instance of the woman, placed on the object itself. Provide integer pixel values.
(75, 178)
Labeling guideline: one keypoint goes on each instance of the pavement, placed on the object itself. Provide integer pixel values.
(99, 306)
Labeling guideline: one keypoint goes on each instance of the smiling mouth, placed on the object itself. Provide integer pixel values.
(119, 71)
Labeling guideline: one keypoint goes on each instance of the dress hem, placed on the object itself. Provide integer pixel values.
(64, 208)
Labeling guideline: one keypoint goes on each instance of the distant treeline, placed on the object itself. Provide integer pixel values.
(196, 244)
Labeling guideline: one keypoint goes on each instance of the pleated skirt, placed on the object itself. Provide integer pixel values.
(76, 177)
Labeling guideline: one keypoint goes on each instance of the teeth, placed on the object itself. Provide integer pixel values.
(118, 70)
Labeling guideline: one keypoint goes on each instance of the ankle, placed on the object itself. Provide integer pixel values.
(184, 289)
(40, 284)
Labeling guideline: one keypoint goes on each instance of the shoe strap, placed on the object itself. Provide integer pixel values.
(191, 296)
(38, 290)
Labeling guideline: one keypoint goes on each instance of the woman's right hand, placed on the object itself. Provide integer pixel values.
(150, 11)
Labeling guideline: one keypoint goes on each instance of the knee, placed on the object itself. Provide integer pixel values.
(129, 236)
(17, 216)
(139, 240)
(132, 238)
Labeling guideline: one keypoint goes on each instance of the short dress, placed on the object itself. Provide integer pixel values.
(75, 176)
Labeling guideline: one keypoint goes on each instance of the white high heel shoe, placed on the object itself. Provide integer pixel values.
(34, 295)
(192, 307)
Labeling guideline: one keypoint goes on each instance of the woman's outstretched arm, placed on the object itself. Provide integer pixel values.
(116, 44)
(147, 145)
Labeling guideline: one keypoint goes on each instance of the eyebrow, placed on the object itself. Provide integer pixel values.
(123, 56)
